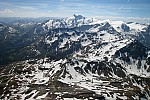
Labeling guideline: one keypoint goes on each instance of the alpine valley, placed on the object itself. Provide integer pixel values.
(74, 58)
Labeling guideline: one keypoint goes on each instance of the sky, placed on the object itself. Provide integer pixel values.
(63, 8)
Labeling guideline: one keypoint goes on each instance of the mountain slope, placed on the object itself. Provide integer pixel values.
(75, 57)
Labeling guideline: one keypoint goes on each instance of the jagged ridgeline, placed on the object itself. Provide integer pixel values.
(74, 58)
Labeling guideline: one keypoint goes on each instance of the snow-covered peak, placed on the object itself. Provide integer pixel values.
(136, 26)
(79, 20)
(78, 17)
(75, 20)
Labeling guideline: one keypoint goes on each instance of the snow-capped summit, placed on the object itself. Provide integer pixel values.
(79, 20)
(70, 22)
(78, 17)
(75, 21)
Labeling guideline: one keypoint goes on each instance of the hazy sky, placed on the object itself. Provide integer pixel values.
(63, 8)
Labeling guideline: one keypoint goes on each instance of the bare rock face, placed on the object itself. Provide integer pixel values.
(125, 27)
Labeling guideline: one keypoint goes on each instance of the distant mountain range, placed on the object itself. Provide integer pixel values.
(75, 58)
(9, 20)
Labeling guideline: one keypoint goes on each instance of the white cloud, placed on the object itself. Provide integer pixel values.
(27, 8)
(127, 19)
(121, 8)
(6, 11)
(62, 0)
